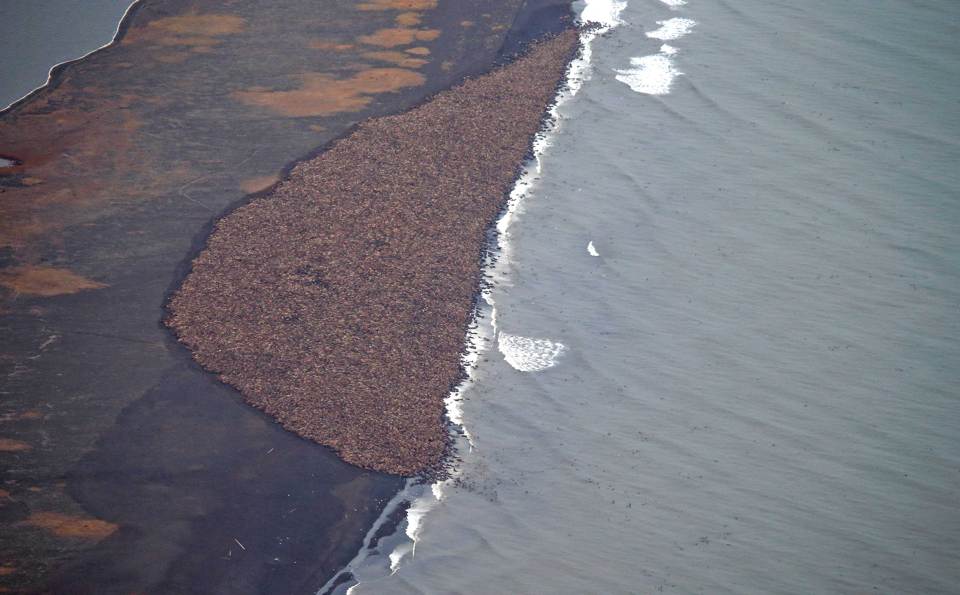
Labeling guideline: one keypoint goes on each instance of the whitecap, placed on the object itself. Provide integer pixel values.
(528, 354)
(603, 12)
(652, 75)
(674, 28)
(668, 50)
(591, 249)
(674, 3)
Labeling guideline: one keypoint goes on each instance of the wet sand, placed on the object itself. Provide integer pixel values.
(339, 302)
(124, 467)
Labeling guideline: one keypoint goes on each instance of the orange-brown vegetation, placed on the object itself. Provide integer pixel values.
(397, 5)
(408, 19)
(192, 30)
(321, 94)
(399, 36)
(320, 44)
(398, 58)
(63, 525)
(11, 445)
(45, 281)
(87, 127)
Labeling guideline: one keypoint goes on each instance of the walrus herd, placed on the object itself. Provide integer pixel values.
(339, 301)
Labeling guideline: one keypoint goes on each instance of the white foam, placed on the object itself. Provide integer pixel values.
(674, 28)
(674, 3)
(606, 14)
(528, 354)
(365, 550)
(652, 75)
(668, 50)
(603, 12)
(591, 249)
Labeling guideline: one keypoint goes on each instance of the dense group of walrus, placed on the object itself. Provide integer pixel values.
(339, 301)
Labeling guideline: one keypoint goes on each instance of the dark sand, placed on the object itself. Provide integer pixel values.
(339, 302)
(124, 467)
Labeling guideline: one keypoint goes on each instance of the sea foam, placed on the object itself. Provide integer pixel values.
(670, 29)
(528, 354)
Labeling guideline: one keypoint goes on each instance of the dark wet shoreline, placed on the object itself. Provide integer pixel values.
(125, 467)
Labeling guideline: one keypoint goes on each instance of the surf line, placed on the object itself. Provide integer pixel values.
(596, 18)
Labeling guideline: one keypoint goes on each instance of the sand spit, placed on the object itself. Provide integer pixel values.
(338, 303)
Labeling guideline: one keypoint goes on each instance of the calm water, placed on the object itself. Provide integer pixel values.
(750, 383)
(35, 35)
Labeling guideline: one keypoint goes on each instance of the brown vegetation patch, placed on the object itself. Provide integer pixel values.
(339, 302)
(78, 153)
(398, 58)
(418, 51)
(190, 29)
(319, 44)
(11, 445)
(321, 94)
(45, 281)
(397, 5)
(389, 38)
(199, 24)
(408, 19)
(63, 525)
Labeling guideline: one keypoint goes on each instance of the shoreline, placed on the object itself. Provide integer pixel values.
(419, 498)
(158, 417)
(60, 67)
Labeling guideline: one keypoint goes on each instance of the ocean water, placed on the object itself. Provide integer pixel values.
(35, 36)
(722, 353)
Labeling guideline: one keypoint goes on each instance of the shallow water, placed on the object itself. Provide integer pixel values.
(749, 254)
(37, 35)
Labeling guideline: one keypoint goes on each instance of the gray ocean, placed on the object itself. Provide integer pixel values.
(726, 353)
